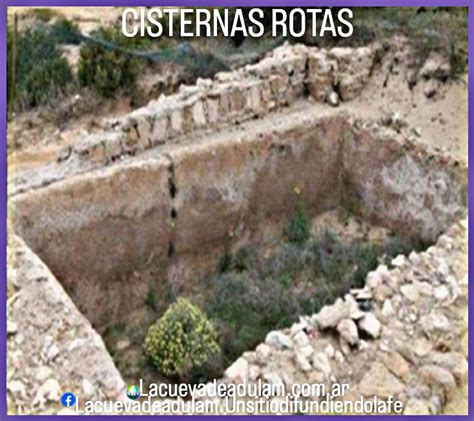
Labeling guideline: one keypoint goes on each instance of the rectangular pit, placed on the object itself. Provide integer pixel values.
(166, 217)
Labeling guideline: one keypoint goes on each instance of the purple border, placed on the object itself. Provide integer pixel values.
(254, 3)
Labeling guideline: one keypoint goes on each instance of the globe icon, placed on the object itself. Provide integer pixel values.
(133, 392)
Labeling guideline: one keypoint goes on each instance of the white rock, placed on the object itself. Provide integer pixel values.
(301, 339)
(53, 352)
(302, 362)
(48, 391)
(88, 388)
(399, 260)
(254, 372)
(370, 325)
(348, 330)
(339, 357)
(17, 388)
(43, 373)
(387, 309)
(441, 293)
(410, 292)
(273, 378)
(332, 98)
(298, 327)
(363, 345)
(12, 327)
(330, 351)
(278, 340)
(321, 362)
(435, 323)
(239, 370)
(307, 350)
(263, 352)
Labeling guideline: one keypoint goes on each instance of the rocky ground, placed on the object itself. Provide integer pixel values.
(405, 335)
(48, 340)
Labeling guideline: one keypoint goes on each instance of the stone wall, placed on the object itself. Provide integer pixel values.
(51, 347)
(285, 76)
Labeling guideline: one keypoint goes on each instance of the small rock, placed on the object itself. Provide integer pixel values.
(254, 372)
(410, 292)
(238, 371)
(263, 352)
(399, 261)
(397, 365)
(12, 327)
(417, 131)
(441, 293)
(307, 351)
(378, 381)
(435, 324)
(344, 346)
(387, 309)
(339, 357)
(298, 327)
(435, 376)
(348, 330)
(123, 344)
(416, 407)
(278, 340)
(17, 388)
(301, 339)
(273, 378)
(332, 98)
(302, 362)
(436, 66)
(455, 362)
(330, 351)
(330, 316)
(363, 345)
(88, 388)
(421, 347)
(370, 325)
(43, 373)
(321, 362)
(50, 391)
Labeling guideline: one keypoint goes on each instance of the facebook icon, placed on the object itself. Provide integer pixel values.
(68, 399)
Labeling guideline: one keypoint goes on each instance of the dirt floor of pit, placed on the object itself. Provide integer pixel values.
(124, 338)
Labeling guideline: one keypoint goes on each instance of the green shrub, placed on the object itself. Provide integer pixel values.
(41, 71)
(108, 69)
(241, 260)
(225, 262)
(182, 340)
(299, 228)
(246, 309)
